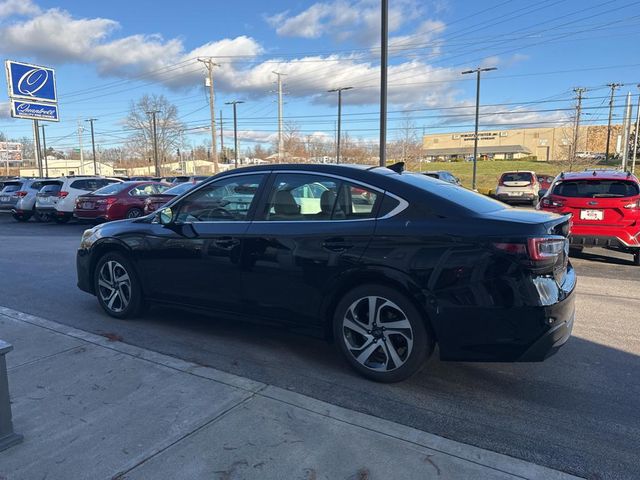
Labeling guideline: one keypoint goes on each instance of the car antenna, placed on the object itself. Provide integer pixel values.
(594, 173)
(397, 167)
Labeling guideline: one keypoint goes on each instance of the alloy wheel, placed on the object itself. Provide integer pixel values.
(377, 333)
(134, 213)
(114, 286)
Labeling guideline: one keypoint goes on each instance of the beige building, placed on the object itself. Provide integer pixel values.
(57, 167)
(545, 144)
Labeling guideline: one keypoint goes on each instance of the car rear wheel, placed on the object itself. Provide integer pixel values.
(60, 220)
(134, 213)
(117, 286)
(381, 333)
(23, 217)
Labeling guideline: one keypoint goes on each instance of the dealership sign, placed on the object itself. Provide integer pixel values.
(32, 91)
(34, 110)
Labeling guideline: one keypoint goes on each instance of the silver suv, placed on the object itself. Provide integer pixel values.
(19, 197)
(518, 187)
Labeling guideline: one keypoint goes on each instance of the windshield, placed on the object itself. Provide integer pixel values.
(112, 189)
(596, 188)
(180, 189)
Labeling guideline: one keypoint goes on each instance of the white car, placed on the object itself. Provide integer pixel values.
(518, 187)
(60, 207)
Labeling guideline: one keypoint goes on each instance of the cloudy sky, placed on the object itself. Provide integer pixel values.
(107, 54)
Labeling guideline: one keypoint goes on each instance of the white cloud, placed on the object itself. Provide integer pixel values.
(9, 8)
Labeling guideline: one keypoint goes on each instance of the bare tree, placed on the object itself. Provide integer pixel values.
(407, 147)
(168, 127)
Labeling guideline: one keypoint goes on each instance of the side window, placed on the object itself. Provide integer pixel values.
(79, 184)
(387, 205)
(298, 196)
(228, 199)
(36, 185)
(356, 202)
(142, 191)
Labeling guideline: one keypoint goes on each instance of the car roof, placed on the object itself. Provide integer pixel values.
(599, 175)
(518, 171)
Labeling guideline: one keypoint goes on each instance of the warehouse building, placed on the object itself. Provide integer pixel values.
(543, 144)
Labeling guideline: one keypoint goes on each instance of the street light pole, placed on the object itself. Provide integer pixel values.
(44, 144)
(339, 90)
(477, 71)
(235, 128)
(155, 140)
(384, 53)
(93, 145)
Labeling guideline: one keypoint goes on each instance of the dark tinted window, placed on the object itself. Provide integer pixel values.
(596, 188)
(91, 184)
(11, 187)
(387, 205)
(179, 189)
(516, 177)
(433, 175)
(453, 194)
(228, 199)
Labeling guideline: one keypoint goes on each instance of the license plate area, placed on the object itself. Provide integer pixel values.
(5, 199)
(592, 215)
(87, 205)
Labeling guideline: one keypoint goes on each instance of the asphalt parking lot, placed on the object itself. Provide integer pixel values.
(576, 412)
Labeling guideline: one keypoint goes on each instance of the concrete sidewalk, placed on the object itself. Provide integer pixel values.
(91, 407)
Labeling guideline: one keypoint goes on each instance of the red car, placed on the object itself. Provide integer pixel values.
(117, 201)
(545, 180)
(152, 203)
(605, 209)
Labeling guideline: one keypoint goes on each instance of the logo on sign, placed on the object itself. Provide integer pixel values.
(32, 81)
(34, 111)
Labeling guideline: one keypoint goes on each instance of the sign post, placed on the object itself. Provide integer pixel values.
(33, 96)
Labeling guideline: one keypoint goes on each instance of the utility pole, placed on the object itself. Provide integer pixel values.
(44, 144)
(339, 90)
(635, 136)
(36, 141)
(80, 130)
(208, 62)
(613, 87)
(384, 54)
(477, 71)
(155, 140)
(93, 145)
(626, 132)
(280, 137)
(574, 148)
(235, 128)
(222, 154)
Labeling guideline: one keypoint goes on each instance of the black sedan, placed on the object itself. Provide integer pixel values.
(386, 264)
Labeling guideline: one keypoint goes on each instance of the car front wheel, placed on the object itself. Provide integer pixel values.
(117, 286)
(134, 213)
(381, 333)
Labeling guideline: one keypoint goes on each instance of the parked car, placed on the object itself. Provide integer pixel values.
(152, 203)
(426, 263)
(116, 201)
(518, 187)
(545, 180)
(62, 206)
(45, 201)
(605, 209)
(19, 197)
(444, 176)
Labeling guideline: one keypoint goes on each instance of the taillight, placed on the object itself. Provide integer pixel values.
(20, 194)
(536, 249)
(551, 202)
(545, 248)
(635, 204)
(62, 194)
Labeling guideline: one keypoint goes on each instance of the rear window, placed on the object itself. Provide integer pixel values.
(91, 184)
(112, 189)
(516, 177)
(454, 194)
(51, 188)
(11, 187)
(596, 188)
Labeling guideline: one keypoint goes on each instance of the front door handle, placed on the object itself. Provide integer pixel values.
(226, 243)
(337, 245)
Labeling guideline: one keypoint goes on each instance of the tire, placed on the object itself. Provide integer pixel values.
(119, 297)
(134, 213)
(60, 220)
(400, 352)
(21, 218)
(575, 251)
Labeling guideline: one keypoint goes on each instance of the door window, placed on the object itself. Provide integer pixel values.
(143, 190)
(310, 197)
(228, 199)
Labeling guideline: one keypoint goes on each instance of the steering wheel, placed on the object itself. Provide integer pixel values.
(213, 212)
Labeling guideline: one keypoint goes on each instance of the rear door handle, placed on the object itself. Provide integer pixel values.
(336, 245)
(226, 243)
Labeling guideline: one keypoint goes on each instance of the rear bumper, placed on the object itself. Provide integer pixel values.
(551, 341)
(611, 237)
(525, 198)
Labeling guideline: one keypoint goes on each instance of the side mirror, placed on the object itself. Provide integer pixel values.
(166, 216)
(542, 192)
